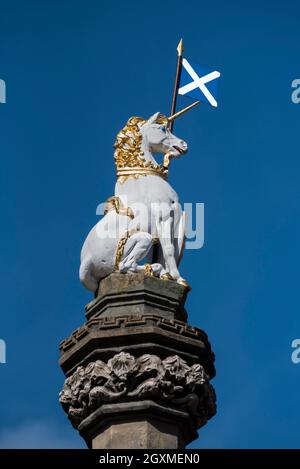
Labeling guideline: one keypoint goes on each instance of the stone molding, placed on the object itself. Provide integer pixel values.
(122, 322)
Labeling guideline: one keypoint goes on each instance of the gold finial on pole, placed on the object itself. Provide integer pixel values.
(182, 111)
(180, 48)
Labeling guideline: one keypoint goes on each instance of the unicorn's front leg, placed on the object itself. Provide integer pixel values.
(165, 230)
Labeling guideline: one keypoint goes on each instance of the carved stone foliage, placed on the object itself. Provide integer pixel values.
(126, 378)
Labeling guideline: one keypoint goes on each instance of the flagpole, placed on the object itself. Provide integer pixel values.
(177, 81)
(170, 124)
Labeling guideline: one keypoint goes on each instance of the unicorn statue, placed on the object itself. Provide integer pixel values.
(143, 224)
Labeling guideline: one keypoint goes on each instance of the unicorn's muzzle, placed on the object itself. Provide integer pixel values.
(181, 148)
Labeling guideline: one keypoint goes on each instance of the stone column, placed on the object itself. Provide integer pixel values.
(138, 376)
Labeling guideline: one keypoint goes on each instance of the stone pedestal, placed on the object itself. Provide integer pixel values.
(136, 425)
(138, 376)
(144, 434)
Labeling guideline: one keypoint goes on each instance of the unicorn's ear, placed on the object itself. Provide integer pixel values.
(153, 119)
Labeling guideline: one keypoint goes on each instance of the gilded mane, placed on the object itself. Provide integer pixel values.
(128, 145)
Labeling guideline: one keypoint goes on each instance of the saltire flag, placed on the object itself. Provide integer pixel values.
(198, 82)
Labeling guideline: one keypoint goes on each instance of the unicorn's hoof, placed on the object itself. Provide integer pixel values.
(156, 269)
(184, 283)
(166, 276)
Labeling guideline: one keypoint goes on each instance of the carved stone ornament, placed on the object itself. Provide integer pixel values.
(125, 378)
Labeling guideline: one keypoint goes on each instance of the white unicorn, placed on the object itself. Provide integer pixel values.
(143, 212)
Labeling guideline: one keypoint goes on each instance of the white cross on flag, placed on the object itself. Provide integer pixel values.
(199, 83)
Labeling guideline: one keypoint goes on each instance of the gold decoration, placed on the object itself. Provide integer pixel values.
(115, 203)
(148, 270)
(167, 160)
(128, 155)
(124, 174)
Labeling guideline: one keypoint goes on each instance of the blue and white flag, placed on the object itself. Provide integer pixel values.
(199, 83)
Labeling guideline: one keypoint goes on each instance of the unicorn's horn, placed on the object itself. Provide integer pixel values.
(171, 118)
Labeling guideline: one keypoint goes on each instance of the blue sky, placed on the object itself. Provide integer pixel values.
(75, 71)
